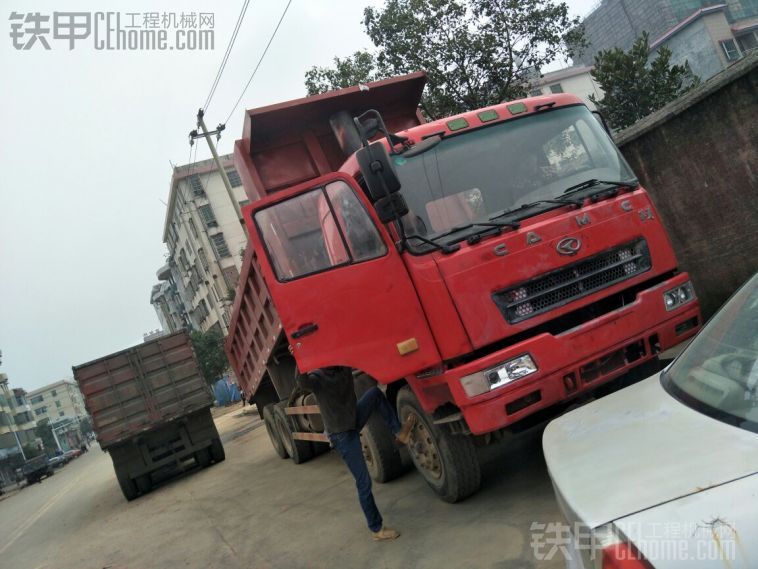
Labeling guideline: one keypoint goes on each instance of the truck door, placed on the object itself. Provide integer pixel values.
(338, 283)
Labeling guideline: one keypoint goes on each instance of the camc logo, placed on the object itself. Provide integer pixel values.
(568, 246)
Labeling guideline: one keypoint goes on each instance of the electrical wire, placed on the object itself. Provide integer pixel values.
(271, 39)
(228, 51)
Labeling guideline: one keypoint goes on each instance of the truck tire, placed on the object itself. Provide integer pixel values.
(203, 457)
(299, 451)
(144, 483)
(273, 432)
(217, 451)
(447, 462)
(380, 451)
(128, 487)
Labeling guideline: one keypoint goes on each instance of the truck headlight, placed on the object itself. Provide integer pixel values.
(503, 374)
(678, 296)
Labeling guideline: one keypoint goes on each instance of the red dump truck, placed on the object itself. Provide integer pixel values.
(485, 268)
(150, 409)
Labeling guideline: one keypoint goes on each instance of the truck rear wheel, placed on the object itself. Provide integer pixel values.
(273, 432)
(447, 462)
(217, 451)
(128, 487)
(203, 457)
(380, 451)
(299, 451)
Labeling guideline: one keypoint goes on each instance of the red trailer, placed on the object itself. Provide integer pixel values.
(485, 268)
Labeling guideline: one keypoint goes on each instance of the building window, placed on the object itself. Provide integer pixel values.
(203, 259)
(535, 92)
(748, 42)
(206, 212)
(61, 413)
(234, 178)
(196, 185)
(193, 227)
(183, 260)
(36, 399)
(219, 243)
(556, 88)
(40, 411)
(58, 404)
(54, 393)
(231, 274)
(731, 50)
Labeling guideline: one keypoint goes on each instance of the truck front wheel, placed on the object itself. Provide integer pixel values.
(299, 451)
(447, 462)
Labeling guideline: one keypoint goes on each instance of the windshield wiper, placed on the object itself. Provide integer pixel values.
(487, 224)
(593, 182)
(528, 206)
(445, 248)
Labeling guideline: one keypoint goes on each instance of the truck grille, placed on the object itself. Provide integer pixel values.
(569, 283)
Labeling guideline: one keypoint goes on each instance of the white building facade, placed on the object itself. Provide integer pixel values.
(58, 401)
(574, 80)
(206, 241)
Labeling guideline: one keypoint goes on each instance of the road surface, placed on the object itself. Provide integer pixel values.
(256, 510)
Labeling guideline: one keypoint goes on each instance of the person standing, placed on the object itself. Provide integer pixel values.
(344, 415)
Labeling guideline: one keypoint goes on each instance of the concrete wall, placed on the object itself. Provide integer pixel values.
(698, 157)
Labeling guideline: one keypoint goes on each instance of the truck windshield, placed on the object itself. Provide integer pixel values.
(717, 373)
(468, 177)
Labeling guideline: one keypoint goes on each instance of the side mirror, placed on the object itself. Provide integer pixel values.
(378, 171)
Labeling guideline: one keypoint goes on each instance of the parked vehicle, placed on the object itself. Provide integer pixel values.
(485, 268)
(666, 472)
(37, 468)
(58, 461)
(150, 409)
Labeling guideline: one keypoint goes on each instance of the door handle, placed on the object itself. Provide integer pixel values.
(304, 330)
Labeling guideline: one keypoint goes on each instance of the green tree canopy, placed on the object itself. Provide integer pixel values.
(475, 52)
(209, 349)
(44, 431)
(633, 86)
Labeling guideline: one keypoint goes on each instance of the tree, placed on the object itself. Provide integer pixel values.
(358, 68)
(209, 349)
(85, 426)
(633, 86)
(44, 431)
(475, 52)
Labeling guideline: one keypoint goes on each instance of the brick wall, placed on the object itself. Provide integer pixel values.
(698, 158)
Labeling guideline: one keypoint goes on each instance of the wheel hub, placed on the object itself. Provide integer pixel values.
(424, 450)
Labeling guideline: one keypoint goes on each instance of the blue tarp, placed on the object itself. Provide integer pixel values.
(226, 392)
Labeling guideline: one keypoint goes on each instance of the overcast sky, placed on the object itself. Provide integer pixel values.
(87, 140)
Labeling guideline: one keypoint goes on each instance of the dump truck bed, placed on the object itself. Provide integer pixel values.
(142, 387)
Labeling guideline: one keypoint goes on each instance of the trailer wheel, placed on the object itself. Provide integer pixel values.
(447, 462)
(380, 451)
(273, 432)
(144, 483)
(128, 487)
(203, 457)
(217, 450)
(299, 451)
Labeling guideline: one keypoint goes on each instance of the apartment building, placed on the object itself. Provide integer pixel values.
(205, 242)
(57, 401)
(17, 424)
(575, 80)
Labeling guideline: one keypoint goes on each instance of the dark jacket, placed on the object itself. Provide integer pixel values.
(335, 393)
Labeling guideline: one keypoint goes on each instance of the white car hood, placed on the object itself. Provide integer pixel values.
(638, 448)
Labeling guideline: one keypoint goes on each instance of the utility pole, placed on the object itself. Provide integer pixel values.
(207, 135)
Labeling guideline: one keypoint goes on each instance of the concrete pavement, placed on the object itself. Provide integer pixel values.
(256, 510)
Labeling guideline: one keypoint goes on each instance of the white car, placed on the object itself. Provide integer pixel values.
(664, 473)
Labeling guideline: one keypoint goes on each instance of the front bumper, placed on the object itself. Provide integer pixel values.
(571, 363)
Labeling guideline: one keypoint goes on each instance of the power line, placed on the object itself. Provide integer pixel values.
(228, 51)
(271, 39)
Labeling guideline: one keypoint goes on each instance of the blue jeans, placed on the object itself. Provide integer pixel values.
(348, 444)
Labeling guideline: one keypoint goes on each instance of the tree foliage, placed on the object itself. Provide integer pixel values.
(209, 349)
(44, 431)
(633, 86)
(85, 426)
(358, 68)
(475, 52)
